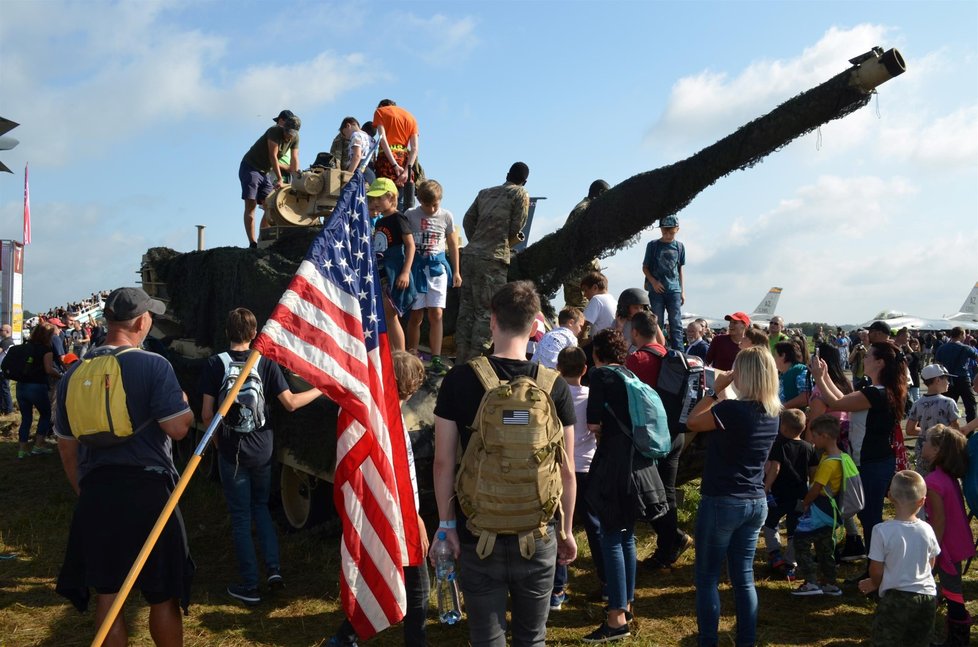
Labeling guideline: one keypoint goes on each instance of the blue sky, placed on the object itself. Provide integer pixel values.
(135, 117)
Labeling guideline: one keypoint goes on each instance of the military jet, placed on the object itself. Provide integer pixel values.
(762, 313)
(966, 317)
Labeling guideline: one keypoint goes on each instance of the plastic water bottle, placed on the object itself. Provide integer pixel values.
(449, 609)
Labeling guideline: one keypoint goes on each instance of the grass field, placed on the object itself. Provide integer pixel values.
(36, 505)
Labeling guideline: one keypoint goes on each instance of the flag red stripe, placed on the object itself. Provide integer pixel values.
(325, 342)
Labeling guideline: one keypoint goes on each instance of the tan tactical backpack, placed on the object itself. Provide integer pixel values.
(509, 479)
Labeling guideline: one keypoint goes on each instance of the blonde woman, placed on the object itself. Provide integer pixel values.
(733, 504)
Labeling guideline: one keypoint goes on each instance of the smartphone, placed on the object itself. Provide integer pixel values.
(710, 374)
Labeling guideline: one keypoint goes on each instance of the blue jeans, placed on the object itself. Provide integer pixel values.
(876, 477)
(671, 302)
(505, 573)
(618, 552)
(6, 402)
(592, 528)
(726, 529)
(29, 397)
(247, 490)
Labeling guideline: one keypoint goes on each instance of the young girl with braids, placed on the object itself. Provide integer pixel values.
(946, 451)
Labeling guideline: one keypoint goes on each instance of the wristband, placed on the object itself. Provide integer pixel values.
(447, 525)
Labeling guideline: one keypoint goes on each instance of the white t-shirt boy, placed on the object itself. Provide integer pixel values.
(906, 549)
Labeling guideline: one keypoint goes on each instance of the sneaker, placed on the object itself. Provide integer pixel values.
(437, 366)
(655, 563)
(775, 560)
(275, 581)
(252, 245)
(807, 589)
(605, 634)
(790, 574)
(41, 451)
(831, 589)
(247, 595)
(556, 600)
(853, 550)
(21, 454)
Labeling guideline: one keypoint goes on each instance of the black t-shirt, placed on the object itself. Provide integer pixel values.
(253, 449)
(737, 449)
(389, 233)
(795, 456)
(880, 423)
(461, 393)
(607, 387)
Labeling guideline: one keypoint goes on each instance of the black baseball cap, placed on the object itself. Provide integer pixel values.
(879, 326)
(128, 303)
(285, 114)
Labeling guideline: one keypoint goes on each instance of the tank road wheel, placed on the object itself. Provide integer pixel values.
(305, 498)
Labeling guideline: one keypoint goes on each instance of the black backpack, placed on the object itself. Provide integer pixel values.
(680, 385)
(23, 363)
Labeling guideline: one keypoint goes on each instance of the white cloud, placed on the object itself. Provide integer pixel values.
(438, 40)
(950, 140)
(706, 106)
(124, 67)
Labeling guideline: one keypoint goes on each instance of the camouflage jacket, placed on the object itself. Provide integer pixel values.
(340, 150)
(493, 222)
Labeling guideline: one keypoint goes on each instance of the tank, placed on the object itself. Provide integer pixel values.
(201, 287)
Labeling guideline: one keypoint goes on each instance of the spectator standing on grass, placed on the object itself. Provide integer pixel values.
(902, 555)
(245, 454)
(946, 451)
(933, 408)
(123, 488)
(32, 392)
(6, 341)
(958, 358)
(733, 503)
(695, 344)
(572, 364)
(875, 412)
(856, 357)
(646, 364)
(794, 387)
(775, 332)
(914, 365)
(625, 485)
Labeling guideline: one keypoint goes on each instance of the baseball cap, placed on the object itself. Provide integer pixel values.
(128, 303)
(54, 321)
(285, 114)
(879, 326)
(381, 186)
(738, 316)
(69, 358)
(669, 221)
(293, 123)
(934, 370)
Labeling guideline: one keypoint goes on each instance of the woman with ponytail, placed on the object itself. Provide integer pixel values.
(875, 412)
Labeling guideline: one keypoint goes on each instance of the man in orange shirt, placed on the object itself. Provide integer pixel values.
(398, 132)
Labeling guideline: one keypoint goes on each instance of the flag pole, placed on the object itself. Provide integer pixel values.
(171, 504)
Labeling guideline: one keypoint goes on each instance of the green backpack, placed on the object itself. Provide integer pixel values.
(509, 482)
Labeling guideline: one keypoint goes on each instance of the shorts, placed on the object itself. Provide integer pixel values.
(437, 295)
(255, 185)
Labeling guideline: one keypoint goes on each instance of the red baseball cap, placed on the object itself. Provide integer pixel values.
(54, 321)
(739, 316)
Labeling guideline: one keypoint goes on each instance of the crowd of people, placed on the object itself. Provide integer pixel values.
(783, 429)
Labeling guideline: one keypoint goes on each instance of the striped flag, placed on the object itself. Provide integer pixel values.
(27, 209)
(329, 328)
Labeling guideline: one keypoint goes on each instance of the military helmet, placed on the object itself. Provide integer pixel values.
(633, 297)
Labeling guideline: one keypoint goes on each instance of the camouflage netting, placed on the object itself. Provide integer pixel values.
(614, 220)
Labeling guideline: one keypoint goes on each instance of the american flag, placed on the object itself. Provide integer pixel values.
(329, 328)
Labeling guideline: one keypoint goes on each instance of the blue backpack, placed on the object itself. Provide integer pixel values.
(650, 428)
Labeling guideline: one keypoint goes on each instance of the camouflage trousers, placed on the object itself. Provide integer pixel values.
(903, 618)
(573, 294)
(482, 279)
(824, 559)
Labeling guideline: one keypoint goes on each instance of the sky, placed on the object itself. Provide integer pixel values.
(135, 115)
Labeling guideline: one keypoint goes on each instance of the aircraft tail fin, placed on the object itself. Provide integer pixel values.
(768, 304)
(969, 309)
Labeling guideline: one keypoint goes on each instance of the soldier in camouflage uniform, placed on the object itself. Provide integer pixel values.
(573, 295)
(492, 225)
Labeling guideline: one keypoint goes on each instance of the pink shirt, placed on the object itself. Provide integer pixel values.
(958, 544)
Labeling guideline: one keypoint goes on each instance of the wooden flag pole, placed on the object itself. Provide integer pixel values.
(171, 504)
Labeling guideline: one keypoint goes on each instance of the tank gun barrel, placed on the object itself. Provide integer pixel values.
(617, 217)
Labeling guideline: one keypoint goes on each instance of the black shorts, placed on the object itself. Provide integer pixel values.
(116, 511)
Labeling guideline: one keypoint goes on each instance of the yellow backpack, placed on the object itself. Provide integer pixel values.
(509, 482)
(96, 401)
